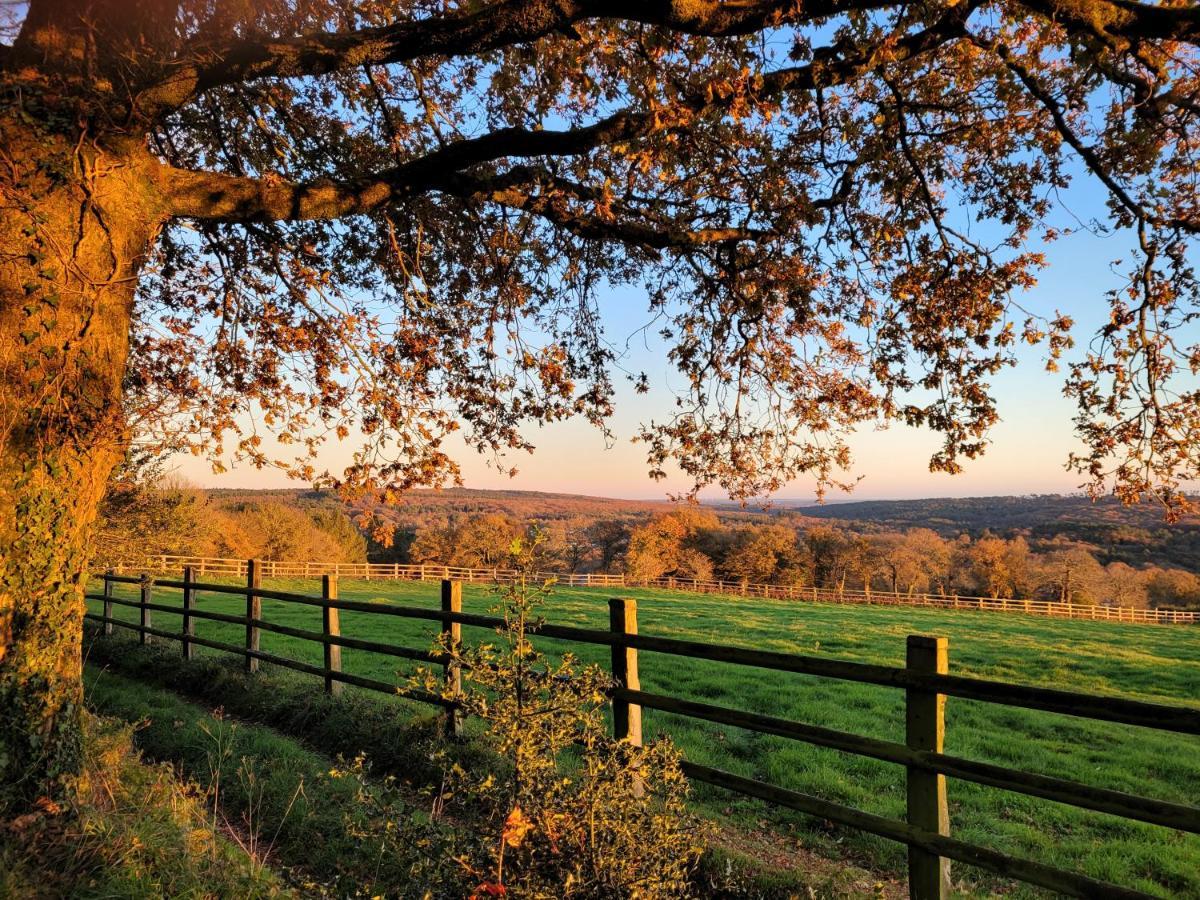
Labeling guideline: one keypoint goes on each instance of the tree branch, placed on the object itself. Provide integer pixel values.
(501, 24)
(203, 67)
(1089, 155)
(1123, 21)
(540, 192)
(215, 196)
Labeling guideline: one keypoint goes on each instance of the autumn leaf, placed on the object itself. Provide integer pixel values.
(489, 889)
(516, 827)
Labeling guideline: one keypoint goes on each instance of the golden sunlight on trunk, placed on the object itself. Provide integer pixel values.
(75, 224)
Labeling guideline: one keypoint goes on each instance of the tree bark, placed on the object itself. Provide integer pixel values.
(76, 221)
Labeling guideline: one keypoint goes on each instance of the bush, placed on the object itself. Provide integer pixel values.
(569, 811)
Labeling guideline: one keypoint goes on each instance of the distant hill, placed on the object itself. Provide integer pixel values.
(1137, 535)
(977, 513)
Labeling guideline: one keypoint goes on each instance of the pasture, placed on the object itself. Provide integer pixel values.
(1156, 663)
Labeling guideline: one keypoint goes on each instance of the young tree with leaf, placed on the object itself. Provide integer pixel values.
(572, 811)
(224, 221)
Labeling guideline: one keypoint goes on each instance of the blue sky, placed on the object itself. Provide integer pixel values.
(1030, 445)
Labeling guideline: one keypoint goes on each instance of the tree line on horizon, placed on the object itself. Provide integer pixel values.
(694, 543)
(689, 542)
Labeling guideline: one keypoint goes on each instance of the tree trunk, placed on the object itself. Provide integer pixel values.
(75, 225)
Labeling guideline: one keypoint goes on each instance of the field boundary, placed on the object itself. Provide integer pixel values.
(925, 679)
(211, 565)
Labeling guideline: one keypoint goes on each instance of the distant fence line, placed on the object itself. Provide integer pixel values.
(925, 680)
(210, 565)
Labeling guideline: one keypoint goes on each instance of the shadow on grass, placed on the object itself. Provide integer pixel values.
(309, 826)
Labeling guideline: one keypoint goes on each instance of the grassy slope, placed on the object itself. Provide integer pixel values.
(1157, 663)
(288, 801)
(135, 830)
(339, 837)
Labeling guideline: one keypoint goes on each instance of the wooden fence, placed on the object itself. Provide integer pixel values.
(430, 572)
(926, 681)
(212, 565)
(1097, 613)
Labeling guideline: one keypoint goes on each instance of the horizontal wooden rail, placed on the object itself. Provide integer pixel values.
(368, 683)
(1072, 793)
(926, 831)
(1069, 883)
(314, 636)
(174, 610)
(1090, 706)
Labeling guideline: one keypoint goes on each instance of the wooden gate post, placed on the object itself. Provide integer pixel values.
(108, 592)
(928, 873)
(143, 635)
(331, 626)
(452, 637)
(253, 610)
(627, 717)
(189, 603)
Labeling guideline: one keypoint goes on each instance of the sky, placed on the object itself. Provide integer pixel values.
(1029, 446)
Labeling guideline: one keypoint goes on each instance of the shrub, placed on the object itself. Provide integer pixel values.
(568, 811)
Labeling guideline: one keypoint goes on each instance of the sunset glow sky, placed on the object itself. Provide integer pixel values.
(1030, 445)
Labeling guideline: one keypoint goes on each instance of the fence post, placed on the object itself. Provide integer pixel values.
(452, 636)
(253, 610)
(331, 626)
(143, 637)
(108, 592)
(189, 603)
(925, 727)
(627, 717)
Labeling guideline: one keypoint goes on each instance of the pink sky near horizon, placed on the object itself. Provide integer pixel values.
(1029, 449)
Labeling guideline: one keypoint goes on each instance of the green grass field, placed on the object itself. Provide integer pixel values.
(1158, 663)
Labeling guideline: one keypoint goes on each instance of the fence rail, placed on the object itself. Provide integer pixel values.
(1096, 612)
(239, 568)
(926, 681)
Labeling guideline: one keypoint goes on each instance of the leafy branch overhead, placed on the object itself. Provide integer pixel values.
(402, 219)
